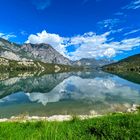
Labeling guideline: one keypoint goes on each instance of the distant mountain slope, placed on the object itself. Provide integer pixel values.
(40, 52)
(128, 68)
(131, 63)
(92, 62)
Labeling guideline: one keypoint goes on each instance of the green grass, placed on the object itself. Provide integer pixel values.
(112, 127)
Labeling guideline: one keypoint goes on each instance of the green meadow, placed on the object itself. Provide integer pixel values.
(110, 127)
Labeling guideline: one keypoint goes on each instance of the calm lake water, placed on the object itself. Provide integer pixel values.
(74, 93)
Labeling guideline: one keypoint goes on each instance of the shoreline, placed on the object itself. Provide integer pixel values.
(61, 118)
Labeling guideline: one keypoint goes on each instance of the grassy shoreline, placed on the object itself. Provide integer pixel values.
(112, 127)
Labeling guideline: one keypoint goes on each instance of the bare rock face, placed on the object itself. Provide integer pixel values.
(9, 50)
(45, 53)
(40, 52)
(10, 55)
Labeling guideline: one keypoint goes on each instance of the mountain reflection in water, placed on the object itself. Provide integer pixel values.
(67, 93)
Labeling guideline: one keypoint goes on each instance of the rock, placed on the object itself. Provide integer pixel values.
(31, 52)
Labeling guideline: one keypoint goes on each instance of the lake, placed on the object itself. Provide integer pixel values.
(72, 93)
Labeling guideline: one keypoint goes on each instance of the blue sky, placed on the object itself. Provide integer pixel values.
(76, 28)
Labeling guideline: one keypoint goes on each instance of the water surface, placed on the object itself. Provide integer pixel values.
(74, 93)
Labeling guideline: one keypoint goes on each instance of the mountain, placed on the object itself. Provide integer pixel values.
(36, 52)
(128, 68)
(92, 62)
(131, 63)
(11, 51)
(45, 53)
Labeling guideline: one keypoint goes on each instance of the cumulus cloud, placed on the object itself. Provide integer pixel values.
(97, 46)
(7, 36)
(41, 4)
(90, 45)
(135, 4)
(53, 39)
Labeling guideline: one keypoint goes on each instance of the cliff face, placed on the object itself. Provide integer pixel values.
(9, 50)
(45, 53)
(40, 52)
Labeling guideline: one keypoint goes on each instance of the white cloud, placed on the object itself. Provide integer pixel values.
(117, 30)
(135, 4)
(53, 39)
(109, 23)
(24, 33)
(1, 34)
(110, 52)
(90, 45)
(101, 48)
(41, 4)
(7, 36)
(131, 32)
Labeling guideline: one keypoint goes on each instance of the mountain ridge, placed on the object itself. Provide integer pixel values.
(131, 63)
(127, 68)
(45, 53)
(27, 52)
(92, 62)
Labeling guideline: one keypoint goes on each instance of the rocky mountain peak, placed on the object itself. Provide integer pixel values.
(45, 53)
(40, 52)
